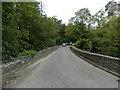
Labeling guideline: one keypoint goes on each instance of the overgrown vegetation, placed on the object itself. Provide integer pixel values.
(25, 53)
(99, 33)
(26, 30)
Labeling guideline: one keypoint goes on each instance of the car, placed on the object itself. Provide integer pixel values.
(73, 44)
(70, 43)
(63, 44)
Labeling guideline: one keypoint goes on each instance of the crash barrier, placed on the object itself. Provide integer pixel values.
(107, 63)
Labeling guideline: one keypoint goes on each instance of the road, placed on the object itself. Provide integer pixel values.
(63, 69)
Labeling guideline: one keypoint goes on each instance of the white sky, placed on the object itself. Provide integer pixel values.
(65, 9)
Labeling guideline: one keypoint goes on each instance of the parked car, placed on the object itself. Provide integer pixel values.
(70, 43)
(63, 44)
(73, 44)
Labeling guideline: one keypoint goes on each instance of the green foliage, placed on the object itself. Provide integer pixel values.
(100, 34)
(25, 53)
(105, 40)
(83, 15)
(75, 32)
(111, 7)
(25, 29)
(82, 44)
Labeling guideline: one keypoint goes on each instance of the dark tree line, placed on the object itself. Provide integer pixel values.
(25, 30)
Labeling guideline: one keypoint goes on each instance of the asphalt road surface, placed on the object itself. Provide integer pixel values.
(63, 69)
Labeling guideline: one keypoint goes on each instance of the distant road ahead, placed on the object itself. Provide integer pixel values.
(63, 69)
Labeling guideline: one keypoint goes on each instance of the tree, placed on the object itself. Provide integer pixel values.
(83, 15)
(75, 32)
(111, 8)
(25, 30)
(99, 19)
(101, 32)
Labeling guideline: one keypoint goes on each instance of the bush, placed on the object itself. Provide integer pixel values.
(30, 52)
(82, 44)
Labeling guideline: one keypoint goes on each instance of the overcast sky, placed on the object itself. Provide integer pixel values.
(65, 9)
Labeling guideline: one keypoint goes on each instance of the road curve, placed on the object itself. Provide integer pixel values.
(63, 69)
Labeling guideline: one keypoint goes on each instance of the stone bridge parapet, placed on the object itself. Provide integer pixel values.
(107, 63)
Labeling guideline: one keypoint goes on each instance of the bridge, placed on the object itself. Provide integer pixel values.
(63, 69)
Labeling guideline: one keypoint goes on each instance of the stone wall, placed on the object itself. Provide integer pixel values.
(11, 65)
(107, 63)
